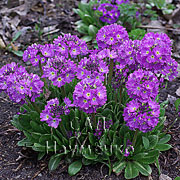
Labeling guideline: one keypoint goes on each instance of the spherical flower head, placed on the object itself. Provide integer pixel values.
(18, 84)
(53, 112)
(142, 116)
(142, 85)
(127, 52)
(59, 70)
(31, 54)
(170, 69)
(70, 46)
(89, 95)
(154, 53)
(48, 50)
(92, 68)
(122, 1)
(111, 36)
(110, 13)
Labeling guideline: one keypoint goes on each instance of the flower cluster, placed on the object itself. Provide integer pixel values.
(110, 13)
(142, 85)
(122, 1)
(111, 36)
(89, 95)
(155, 54)
(92, 68)
(127, 53)
(53, 112)
(101, 126)
(18, 84)
(38, 53)
(59, 70)
(129, 148)
(70, 46)
(142, 116)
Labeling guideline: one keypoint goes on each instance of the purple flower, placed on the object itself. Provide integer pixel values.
(89, 95)
(47, 50)
(70, 46)
(111, 36)
(18, 84)
(102, 126)
(110, 13)
(92, 68)
(53, 112)
(59, 70)
(142, 85)
(154, 54)
(122, 1)
(142, 116)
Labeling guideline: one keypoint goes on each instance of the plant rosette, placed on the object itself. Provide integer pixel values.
(96, 14)
(90, 106)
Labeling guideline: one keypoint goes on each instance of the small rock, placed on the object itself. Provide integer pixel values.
(171, 99)
(168, 1)
(39, 174)
(164, 177)
(178, 92)
(12, 3)
(156, 27)
(175, 16)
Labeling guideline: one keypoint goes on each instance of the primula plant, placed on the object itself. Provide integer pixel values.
(94, 106)
(97, 13)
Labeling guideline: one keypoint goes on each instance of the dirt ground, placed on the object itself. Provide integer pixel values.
(21, 163)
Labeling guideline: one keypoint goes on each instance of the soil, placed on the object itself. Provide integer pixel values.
(21, 163)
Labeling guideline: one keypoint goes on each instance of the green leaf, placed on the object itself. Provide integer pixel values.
(36, 127)
(131, 171)
(87, 38)
(83, 28)
(24, 120)
(162, 112)
(87, 19)
(92, 138)
(119, 166)
(177, 102)
(92, 30)
(80, 13)
(144, 169)
(25, 142)
(74, 168)
(165, 139)
(149, 158)
(39, 147)
(177, 178)
(18, 53)
(44, 138)
(89, 154)
(87, 161)
(17, 35)
(153, 140)
(41, 155)
(160, 3)
(54, 161)
(145, 142)
(15, 122)
(163, 147)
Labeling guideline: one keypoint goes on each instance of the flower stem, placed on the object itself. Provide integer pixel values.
(35, 107)
(110, 71)
(135, 138)
(41, 71)
(63, 91)
(120, 93)
(94, 119)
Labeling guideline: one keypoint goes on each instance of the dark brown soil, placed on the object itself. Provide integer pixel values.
(21, 163)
